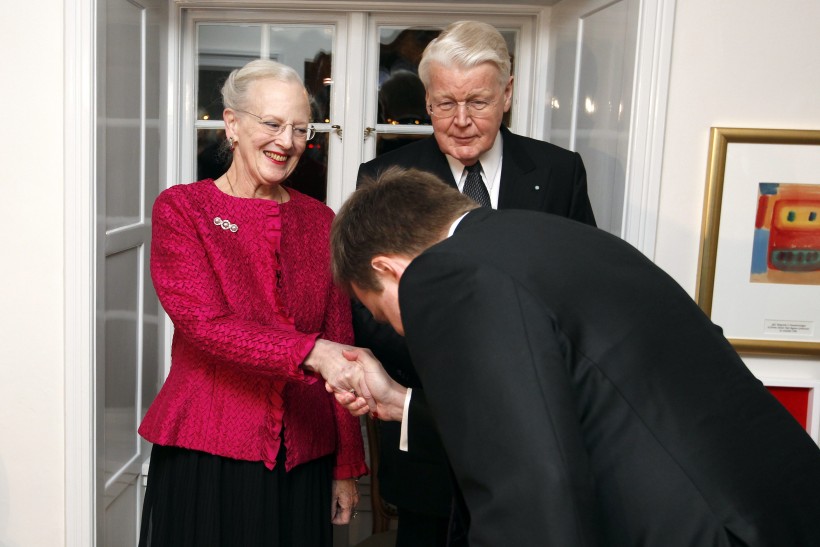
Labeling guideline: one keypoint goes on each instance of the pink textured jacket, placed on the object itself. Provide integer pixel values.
(247, 285)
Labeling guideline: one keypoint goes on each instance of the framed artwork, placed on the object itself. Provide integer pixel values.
(759, 265)
(801, 398)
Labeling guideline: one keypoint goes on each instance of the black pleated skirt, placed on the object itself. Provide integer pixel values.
(195, 499)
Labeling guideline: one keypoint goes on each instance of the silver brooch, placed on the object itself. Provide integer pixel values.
(226, 224)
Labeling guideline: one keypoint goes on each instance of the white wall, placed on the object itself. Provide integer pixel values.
(744, 63)
(31, 276)
(735, 63)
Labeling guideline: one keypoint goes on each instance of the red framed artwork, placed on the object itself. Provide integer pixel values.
(801, 398)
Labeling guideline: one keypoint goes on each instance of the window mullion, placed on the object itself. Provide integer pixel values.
(264, 42)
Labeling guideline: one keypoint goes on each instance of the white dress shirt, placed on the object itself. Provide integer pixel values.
(490, 170)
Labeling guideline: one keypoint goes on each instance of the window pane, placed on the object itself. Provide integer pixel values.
(401, 100)
(387, 142)
(308, 49)
(122, 339)
(509, 37)
(222, 48)
(212, 156)
(122, 117)
(401, 94)
(310, 175)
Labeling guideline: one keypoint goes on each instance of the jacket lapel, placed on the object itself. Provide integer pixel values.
(518, 185)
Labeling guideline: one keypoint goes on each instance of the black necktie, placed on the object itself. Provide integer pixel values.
(474, 186)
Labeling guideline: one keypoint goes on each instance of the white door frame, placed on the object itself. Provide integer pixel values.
(81, 253)
(653, 59)
(80, 282)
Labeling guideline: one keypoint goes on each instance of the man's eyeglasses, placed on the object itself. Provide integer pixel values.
(476, 108)
(303, 133)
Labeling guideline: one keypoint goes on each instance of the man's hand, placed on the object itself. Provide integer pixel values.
(380, 395)
(340, 374)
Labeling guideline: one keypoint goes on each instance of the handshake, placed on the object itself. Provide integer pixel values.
(357, 379)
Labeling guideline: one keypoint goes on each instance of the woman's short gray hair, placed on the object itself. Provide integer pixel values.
(467, 44)
(235, 89)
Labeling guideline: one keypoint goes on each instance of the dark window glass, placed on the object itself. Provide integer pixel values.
(310, 175)
(387, 142)
(212, 155)
(401, 93)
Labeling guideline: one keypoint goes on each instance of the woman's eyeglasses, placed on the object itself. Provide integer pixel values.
(303, 133)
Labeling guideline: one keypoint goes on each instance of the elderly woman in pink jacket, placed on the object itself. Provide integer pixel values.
(249, 447)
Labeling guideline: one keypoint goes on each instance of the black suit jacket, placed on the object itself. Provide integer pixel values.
(535, 175)
(584, 399)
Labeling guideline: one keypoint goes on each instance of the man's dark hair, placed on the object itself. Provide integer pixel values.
(400, 212)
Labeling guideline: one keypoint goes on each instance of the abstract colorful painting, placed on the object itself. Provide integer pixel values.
(787, 234)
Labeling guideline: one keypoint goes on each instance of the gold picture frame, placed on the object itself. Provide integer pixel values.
(752, 157)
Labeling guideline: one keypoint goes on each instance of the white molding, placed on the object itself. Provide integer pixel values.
(542, 86)
(529, 83)
(170, 155)
(370, 6)
(182, 90)
(79, 170)
(648, 125)
(348, 94)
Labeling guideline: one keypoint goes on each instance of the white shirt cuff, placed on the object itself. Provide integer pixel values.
(403, 438)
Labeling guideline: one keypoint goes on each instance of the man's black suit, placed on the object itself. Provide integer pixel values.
(584, 399)
(535, 175)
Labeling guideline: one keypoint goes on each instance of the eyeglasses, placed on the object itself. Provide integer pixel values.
(302, 133)
(476, 108)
